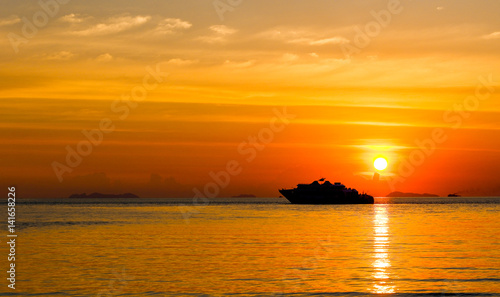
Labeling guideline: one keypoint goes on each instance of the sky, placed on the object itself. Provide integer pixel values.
(221, 98)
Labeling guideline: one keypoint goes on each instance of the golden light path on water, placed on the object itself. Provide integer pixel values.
(381, 243)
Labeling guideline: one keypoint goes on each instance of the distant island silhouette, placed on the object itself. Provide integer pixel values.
(402, 194)
(100, 195)
(244, 196)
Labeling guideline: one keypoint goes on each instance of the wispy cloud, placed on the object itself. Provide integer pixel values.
(58, 56)
(181, 62)
(11, 20)
(300, 36)
(493, 35)
(222, 30)
(73, 18)
(232, 64)
(115, 25)
(104, 58)
(331, 40)
(290, 57)
(171, 25)
(219, 34)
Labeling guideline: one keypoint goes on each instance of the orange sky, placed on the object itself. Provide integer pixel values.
(186, 87)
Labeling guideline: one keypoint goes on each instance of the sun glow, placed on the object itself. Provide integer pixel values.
(380, 163)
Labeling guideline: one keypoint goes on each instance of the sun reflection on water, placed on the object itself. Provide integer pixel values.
(381, 264)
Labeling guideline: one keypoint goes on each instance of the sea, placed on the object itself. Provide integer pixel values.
(255, 247)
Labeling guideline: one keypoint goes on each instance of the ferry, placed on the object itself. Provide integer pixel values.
(324, 192)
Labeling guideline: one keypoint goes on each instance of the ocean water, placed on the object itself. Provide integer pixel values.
(256, 247)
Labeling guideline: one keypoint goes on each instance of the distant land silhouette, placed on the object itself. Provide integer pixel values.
(100, 195)
(401, 194)
(244, 196)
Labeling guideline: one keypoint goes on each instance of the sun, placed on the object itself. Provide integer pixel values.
(380, 163)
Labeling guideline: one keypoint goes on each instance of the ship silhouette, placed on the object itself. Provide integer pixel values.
(325, 193)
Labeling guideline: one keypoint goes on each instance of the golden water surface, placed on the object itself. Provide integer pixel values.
(257, 249)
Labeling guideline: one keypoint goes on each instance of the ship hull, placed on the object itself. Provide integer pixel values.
(331, 198)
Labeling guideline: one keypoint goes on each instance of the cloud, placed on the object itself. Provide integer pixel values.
(332, 40)
(181, 62)
(222, 30)
(11, 20)
(104, 58)
(61, 56)
(493, 35)
(303, 37)
(232, 64)
(440, 8)
(219, 34)
(72, 18)
(290, 57)
(115, 25)
(165, 187)
(170, 25)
